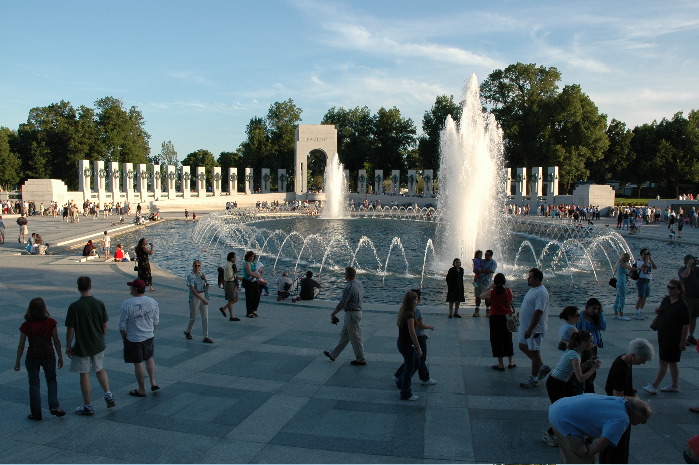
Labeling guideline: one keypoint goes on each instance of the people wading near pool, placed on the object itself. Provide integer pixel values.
(672, 328)
(408, 345)
(455, 288)
(620, 383)
(621, 271)
(482, 279)
(420, 327)
(605, 418)
(533, 316)
(230, 286)
(689, 275)
(138, 319)
(198, 301)
(500, 298)
(351, 302)
(251, 284)
(645, 275)
(86, 323)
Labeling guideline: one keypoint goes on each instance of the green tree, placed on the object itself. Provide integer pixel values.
(432, 125)
(167, 155)
(282, 120)
(520, 97)
(577, 135)
(394, 136)
(228, 160)
(617, 157)
(257, 147)
(201, 158)
(355, 139)
(9, 161)
(122, 133)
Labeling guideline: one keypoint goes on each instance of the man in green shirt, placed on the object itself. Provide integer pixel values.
(86, 322)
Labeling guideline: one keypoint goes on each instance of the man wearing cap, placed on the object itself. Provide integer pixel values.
(689, 275)
(138, 321)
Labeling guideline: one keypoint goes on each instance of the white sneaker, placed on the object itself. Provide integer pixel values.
(670, 388)
(549, 440)
(624, 318)
(412, 398)
(616, 317)
(429, 382)
(650, 389)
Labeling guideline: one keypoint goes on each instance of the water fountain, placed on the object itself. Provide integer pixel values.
(471, 182)
(335, 192)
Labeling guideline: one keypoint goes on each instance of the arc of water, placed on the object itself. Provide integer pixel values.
(394, 242)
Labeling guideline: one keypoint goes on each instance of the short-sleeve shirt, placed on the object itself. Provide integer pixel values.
(138, 317)
(486, 278)
(536, 298)
(691, 283)
(38, 328)
(620, 378)
(307, 286)
(352, 296)
(87, 316)
(196, 280)
(590, 415)
(564, 369)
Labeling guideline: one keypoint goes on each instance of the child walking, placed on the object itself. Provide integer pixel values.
(40, 328)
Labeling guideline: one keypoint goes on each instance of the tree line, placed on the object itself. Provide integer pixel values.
(543, 125)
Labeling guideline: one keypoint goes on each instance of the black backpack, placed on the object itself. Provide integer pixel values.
(40, 345)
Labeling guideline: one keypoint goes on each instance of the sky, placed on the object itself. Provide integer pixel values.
(199, 71)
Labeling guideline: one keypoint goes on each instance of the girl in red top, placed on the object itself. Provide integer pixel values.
(40, 329)
(500, 306)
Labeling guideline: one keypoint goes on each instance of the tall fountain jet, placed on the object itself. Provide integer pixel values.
(471, 182)
(335, 190)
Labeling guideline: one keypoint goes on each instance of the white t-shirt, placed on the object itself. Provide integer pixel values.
(536, 298)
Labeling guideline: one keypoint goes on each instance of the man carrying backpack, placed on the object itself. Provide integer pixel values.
(23, 229)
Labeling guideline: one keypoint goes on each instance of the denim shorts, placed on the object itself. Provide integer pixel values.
(643, 285)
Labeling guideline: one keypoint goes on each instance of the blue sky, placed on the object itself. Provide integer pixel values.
(198, 71)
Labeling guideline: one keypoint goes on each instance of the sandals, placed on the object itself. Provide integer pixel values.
(495, 367)
(456, 315)
(208, 341)
(155, 387)
(32, 417)
(514, 365)
(135, 393)
(188, 335)
(223, 311)
(58, 412)
(235, 318)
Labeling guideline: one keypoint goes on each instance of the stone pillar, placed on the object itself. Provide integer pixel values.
(537, 182)
(361, 182)
(248, 180)
(201, 181)
(84, 178)
(216, 181)
(412, 182)
(378, 182)
(127, 176)
(266, 181)
(508, 182)
(156, 181)
(551, 183)
(232, 181)
(428, 180)
(171, 176)
(345, 180)
(395, 182)
(186, 181)
(521, 182)
(142, 181)
(100, 174)
(281, 180)
(113, 176)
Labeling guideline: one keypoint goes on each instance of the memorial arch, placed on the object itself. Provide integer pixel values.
(310, 137)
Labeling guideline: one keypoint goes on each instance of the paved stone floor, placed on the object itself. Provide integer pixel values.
(264, 392)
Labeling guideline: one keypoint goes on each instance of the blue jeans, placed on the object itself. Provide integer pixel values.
(410, 363)
(49, 366)
(421, 365)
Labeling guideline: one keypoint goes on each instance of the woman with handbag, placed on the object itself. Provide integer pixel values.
(673, 328)
(143, 257)
(621, 270)
(500, 306)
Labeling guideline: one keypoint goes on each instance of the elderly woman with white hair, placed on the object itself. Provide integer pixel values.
(620, 383)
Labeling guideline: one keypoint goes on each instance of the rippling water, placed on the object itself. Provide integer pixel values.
(174, 253)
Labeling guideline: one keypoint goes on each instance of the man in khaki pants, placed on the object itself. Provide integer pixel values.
(351, 302)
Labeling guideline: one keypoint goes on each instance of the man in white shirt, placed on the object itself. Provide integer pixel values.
(533, 315)
(138, 321)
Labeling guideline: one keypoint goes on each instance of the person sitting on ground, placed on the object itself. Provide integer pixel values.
(89, 249)
(119, 253)
(308, 284)
(283, 286)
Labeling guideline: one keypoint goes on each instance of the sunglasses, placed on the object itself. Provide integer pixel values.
(672, 287)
